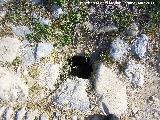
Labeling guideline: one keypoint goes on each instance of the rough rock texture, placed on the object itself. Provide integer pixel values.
(4, 1)
(43, 50)
(112, 91)
(20, 114)
(56, 11)
(27, 53)
(8, 114)
(132, 30)
(73, 94)
(21, 30)
(11, 87)
(139, 46)
(135, 72)
(42, 20)
(118, 49)
(48, 75)
(107, 29)
(9, 48)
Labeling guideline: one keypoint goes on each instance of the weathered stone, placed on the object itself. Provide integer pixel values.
(11, 87)
(107, 29)
(21, 30)
(73, 94)
(2, 109)
(8, 114)
(44, 117)
(132, 30)
(20, 114)
(42, 20)
(119, 49)
(4, 1)
(27, 53)
(43, 50)
(56, 11)
(139, 46)
(135, 72)
(9, 48)
(112, 91)
(48, 75)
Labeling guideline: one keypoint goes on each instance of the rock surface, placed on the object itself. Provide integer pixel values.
(56, 11)
(11, 87)
(27, 53)
(9, 48)
(139, 46)
(111, 90)
(48, 75)
(4, 1)
(43, 50)
(132, 30)
(135, 72)
(119, 49)
(21, 30)
(73, 94)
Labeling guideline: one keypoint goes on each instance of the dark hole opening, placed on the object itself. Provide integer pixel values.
(80, 67)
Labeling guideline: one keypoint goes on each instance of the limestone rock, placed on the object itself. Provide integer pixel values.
(20, 114)
(56, 11)
(48, 75)
(9, 49)
(139, 46)
(43, 50)
(27, 53)
(132, 30)
(112, 91)
(119, 49)
(21, 30)
(73, 94)
(11, 87)
(135, 72)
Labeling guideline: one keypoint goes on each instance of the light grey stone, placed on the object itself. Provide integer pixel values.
(73, 94)
(2, 13)
(107, 29)
(27, 53)
(48, 75)
(20, 114)
(12, 88)
(21, 30)
(31, 115)
(36, 1)
(43, 50)
(4, 1)
(56, 11)
(8, 114)
(132, 30)
(140, 45)
(119, 49)
(111, 90)
(9, 49)
(42, 20)
(2, 109)
(44, 117)
(135, 73)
